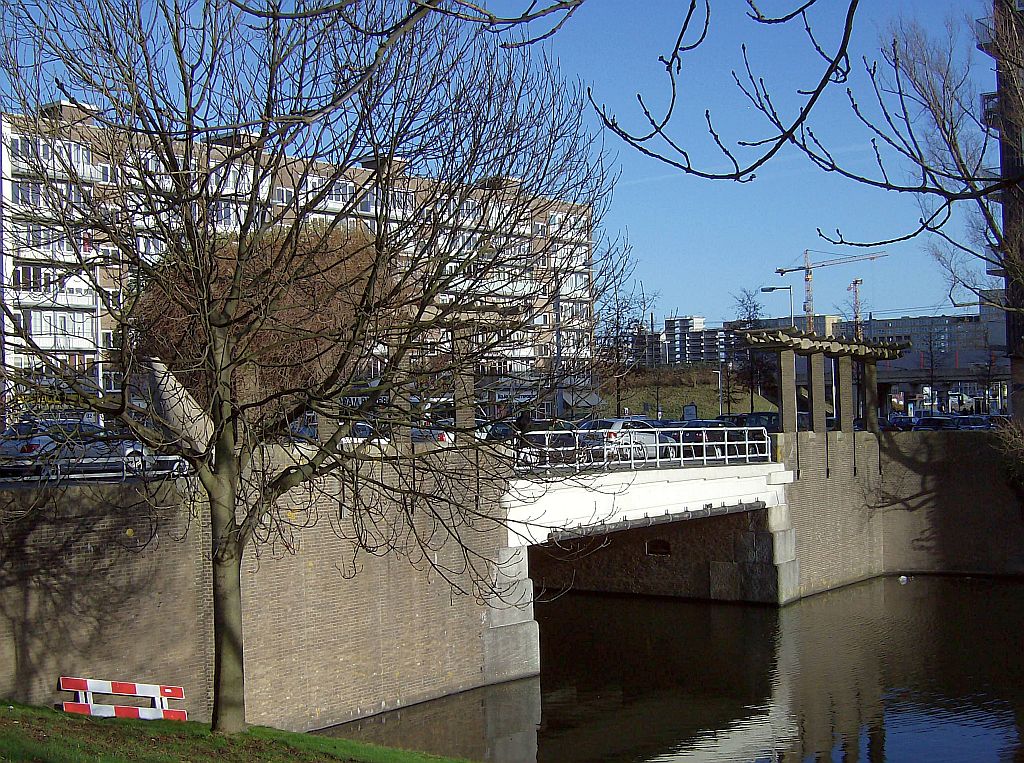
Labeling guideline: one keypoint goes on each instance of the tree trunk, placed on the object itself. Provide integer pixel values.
(228, 673)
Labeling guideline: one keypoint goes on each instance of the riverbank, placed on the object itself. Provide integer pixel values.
(39, 734)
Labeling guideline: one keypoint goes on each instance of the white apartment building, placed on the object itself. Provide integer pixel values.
(546, 258)
(688, 339)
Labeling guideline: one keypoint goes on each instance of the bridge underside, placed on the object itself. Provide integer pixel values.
(729, 555)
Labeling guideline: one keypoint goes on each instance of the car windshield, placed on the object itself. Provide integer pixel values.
(72, 430)
(21, 429)
(597, 424)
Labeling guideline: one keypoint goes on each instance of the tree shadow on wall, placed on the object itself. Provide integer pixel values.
(947, 498)
(73, 569)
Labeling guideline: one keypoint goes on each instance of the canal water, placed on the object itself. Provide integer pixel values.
(925, 669)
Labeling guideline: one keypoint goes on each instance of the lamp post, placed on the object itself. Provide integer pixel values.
(767, 289)
(719, 373)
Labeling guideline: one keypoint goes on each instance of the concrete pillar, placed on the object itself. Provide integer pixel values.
(844, 381)
(816, 390)
(787, 390)
(871, 396)
(885, 399)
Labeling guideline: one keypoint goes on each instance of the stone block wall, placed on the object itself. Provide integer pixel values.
(102, 582)
(863, 506)
(111, 582)
(726, 557)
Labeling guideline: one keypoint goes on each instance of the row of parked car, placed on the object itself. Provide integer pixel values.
(634, 439)
(52, 448)
(557, 441)
(937, 422)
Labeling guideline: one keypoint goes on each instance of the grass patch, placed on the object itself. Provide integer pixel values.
(50, 736)
(640, 394)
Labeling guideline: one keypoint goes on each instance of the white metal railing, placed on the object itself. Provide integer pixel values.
(641, 448)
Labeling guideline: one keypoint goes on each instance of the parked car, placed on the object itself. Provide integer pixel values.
(903, 423)
(362, 432)
(971, 423)
(49, 448)
(703, 438)
(934, 423)
(625, 439)
(772, 423)
(501, 431)
(734, 419)
(551, 441)
(440, 431)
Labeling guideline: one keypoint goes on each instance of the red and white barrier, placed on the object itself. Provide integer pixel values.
(84, 688)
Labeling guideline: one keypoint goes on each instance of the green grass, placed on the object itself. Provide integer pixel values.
(39, 734)
(637, 392)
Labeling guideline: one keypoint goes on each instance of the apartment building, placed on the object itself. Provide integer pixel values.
(61, 279)
(688, 339)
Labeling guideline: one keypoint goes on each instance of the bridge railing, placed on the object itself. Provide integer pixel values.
(641, 447)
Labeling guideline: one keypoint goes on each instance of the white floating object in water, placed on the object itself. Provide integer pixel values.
(903, 579)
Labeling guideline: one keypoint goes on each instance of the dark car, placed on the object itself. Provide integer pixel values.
(734, 419)
(972, 423)
(703, 438)
(501, 431)
(903, 423)
(551, 441)
(934, 423)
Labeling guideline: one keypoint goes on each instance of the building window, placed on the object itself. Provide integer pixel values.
(27, 193)
(31, 278)
(31, 148)
(112, 381)
(369, 202)
(23, 322)
(403, 201)
(470, 209)
(283, 196)
(340, 192)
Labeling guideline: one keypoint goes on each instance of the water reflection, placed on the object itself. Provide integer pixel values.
(931, 670)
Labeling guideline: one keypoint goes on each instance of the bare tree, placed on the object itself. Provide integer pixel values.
(620, 315)
(743, 156)
(754, 365)
(325, 217)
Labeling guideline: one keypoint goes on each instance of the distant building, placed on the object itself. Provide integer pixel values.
(939, 334)
(689, 340)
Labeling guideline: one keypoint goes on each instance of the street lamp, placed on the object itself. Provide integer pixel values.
(767, 289)
(719, 374)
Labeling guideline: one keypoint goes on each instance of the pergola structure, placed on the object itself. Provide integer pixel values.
(790, 342)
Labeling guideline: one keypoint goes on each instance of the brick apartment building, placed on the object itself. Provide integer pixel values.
(61, 280)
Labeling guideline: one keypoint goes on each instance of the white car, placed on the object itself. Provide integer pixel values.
(628, 439)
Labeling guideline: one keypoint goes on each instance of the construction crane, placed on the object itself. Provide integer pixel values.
(858, 327)
(808, 268)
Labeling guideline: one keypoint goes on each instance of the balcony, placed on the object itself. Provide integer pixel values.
(55, 297)
(985, 34)
(990, 112)
(52, 168)
(57, 341)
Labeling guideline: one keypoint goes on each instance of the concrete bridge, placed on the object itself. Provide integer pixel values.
(719, 532)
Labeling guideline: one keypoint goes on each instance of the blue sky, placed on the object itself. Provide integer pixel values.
(699, 242)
